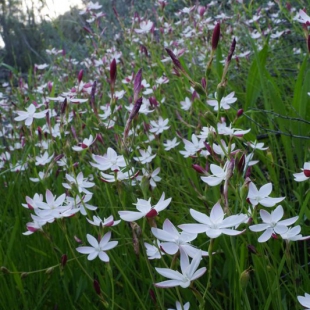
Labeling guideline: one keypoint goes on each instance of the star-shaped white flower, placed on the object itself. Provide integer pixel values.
(261, 196)
(79, 182)
(189, 272)
(159, 126)
(215, 224)
(272, 223)
(145, 209)
(98, 248)
(304, 301)
(304, 175)
(109, 161)
(29, 115)
(225, 103)
(219, 174)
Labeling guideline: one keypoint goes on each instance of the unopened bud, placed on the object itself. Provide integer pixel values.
(50, 86)
(216, 36)
(308, 43)
(97, 287)
(240, 112)
(153, 296)
(80, 75)
(231, 51)
(113, 72)
(201, 10)
(5, 270)
(241, 164)
(153, 102)
(64, 259)
(199, 169)
(49, 270)
(175, 61)
(244, 278)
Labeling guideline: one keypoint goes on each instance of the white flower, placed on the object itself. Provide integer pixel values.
(146, 156)
(191, 148)
(106, 222)
(153, 251)
(98, 248)
(145, 209)
(219, 174)
(87, 142)
(184, 279)
(228, 131)
(109, 161)
(179, 307)
(304, 301)
(292, 234)
(215, 225)
(302, 17)
(81, 203)
(145, 26)
(304, 175)
(152, 177)
(170, 144)
(261, 196)
(186, 104)
(174, 241)
(225, 101)
(272, 223)
(159, 126)
(79, 182)
(29, 115)
(43, 159)
(257, 146)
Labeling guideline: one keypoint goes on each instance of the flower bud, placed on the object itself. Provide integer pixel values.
(252, 249)
(216, 36)
(64, 259)
(113, 73)
(231, 51)
(244, 278)
(5, 270)
(199, 169)
(308, 43)
(137, 85)
(241, 164)
(152, 295)
(50, 86)
(49, 270)
(201, 10)
(80, 75)
(175, 61)
(240, 112)
(97, 287)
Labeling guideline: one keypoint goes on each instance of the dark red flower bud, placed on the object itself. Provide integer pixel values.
(64, 259)
(153, 296)
(240, 112)
(137, 85)
(308, 43)
(201, 10)
(175, 61)
(64, 106)
(216, 36)
(204, 83)
(80, 75)
(252, 249)
(241, 163)
(231, 50)
(49, 86)
(153, 102)
(97, 287)
(199, 169)
(151, 213)
(113, 72)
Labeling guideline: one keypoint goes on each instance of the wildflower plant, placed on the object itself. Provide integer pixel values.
(165, 153)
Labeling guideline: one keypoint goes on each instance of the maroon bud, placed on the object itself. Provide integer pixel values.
(80, 75)
(64, 259)
(201, 10)
(64, 106)
(135, 109)
(153, 296)
(143, 50)
(274, 236)
(49, 86)
(153, 102)
(231, 50)
(113, 72)
(63, 52)
(48, 121)
(73, 132)
(288, 6)
(58, 157)
(252, 249)
(115, 12)
(308, 43)
(216, 36)
(241, 164)
(87, 30)
(40, 133)
(204, 83)
(240, 112)
(99, 138)
(137, 85)
(97, 287)
(199, 169)
(175, 61)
